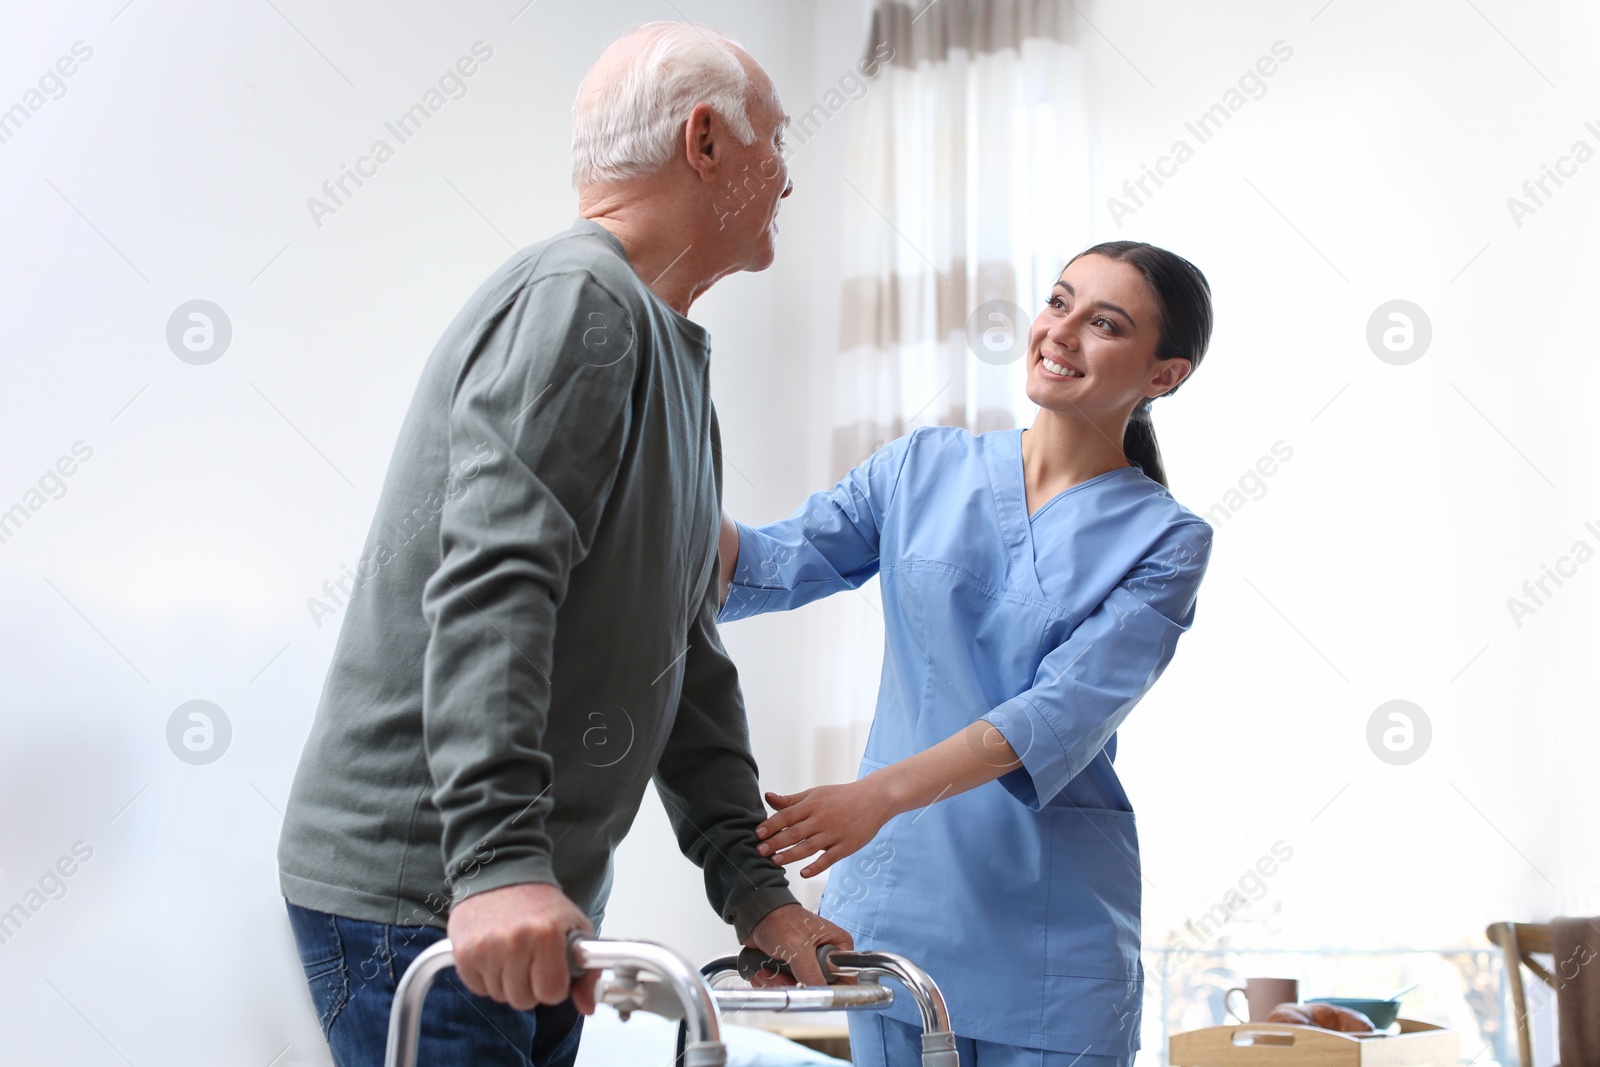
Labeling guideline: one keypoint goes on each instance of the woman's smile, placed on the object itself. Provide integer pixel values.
(1057, 370)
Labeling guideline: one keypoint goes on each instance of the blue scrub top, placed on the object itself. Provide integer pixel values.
(1020, 897)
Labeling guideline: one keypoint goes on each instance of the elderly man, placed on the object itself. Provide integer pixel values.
(532, 634)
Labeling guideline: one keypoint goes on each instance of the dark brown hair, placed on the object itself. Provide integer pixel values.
(1184, 298)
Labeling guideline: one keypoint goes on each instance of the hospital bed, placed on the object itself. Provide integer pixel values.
(644, 976)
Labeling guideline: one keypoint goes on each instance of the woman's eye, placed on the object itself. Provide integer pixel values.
(1105, 323)
(1055, 302)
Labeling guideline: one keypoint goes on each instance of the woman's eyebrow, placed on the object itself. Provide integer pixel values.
(1106, 304)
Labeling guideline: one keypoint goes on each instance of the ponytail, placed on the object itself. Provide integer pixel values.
(1139, 443)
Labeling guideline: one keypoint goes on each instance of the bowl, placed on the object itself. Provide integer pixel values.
(1382, 1012)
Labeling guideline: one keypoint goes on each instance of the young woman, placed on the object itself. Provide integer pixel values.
(1035, 584)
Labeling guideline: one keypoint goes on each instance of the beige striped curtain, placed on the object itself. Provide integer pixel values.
(968, 179)
(969, 187)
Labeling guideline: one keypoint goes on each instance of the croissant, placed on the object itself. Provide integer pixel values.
(1327, 1016)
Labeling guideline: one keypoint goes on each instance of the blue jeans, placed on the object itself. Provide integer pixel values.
(876, 1041)
(353, 967)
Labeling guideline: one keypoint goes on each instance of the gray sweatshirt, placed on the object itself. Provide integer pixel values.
(530, 635)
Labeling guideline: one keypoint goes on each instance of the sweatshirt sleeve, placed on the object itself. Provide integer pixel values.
(829, 544)
(707, 781)
(1088, 684)
(543, 418)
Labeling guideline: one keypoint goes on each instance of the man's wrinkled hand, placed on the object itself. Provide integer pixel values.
(510, 944)
(792, 935)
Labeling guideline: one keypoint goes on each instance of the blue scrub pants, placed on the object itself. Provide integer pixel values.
(352, 967)
(879, 1042)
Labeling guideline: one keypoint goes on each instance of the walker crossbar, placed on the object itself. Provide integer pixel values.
(938, 1043)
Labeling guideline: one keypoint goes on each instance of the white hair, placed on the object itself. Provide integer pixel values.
(631, 124)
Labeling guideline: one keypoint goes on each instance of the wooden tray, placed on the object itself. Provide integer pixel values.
(1418, 1044)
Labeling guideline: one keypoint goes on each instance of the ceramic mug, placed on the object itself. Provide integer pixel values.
(1261, 996)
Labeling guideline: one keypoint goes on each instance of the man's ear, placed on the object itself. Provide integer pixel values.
(699, 141)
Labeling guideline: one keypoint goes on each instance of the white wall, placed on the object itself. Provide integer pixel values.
(177, 564)
(1378, 563)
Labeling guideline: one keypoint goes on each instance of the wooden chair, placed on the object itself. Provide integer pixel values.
(1519, 941)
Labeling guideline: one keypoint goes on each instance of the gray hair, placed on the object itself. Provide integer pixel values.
(632, 124)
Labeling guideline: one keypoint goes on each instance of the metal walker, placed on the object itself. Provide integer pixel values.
(645, 976)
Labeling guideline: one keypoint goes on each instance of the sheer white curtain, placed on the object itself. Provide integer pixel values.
(967, 189)
(967, 180)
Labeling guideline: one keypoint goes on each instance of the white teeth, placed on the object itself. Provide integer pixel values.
(1056, 368)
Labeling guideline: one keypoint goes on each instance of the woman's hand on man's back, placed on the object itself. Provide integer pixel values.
(727, 555)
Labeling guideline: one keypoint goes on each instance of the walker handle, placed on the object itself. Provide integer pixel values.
(840, 965)
(752, 961)
(701, 1017)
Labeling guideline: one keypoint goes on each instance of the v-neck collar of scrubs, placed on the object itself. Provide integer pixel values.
(1022, 482)
(1008, 481)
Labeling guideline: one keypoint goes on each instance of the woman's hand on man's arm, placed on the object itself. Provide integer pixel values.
(838, 820)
